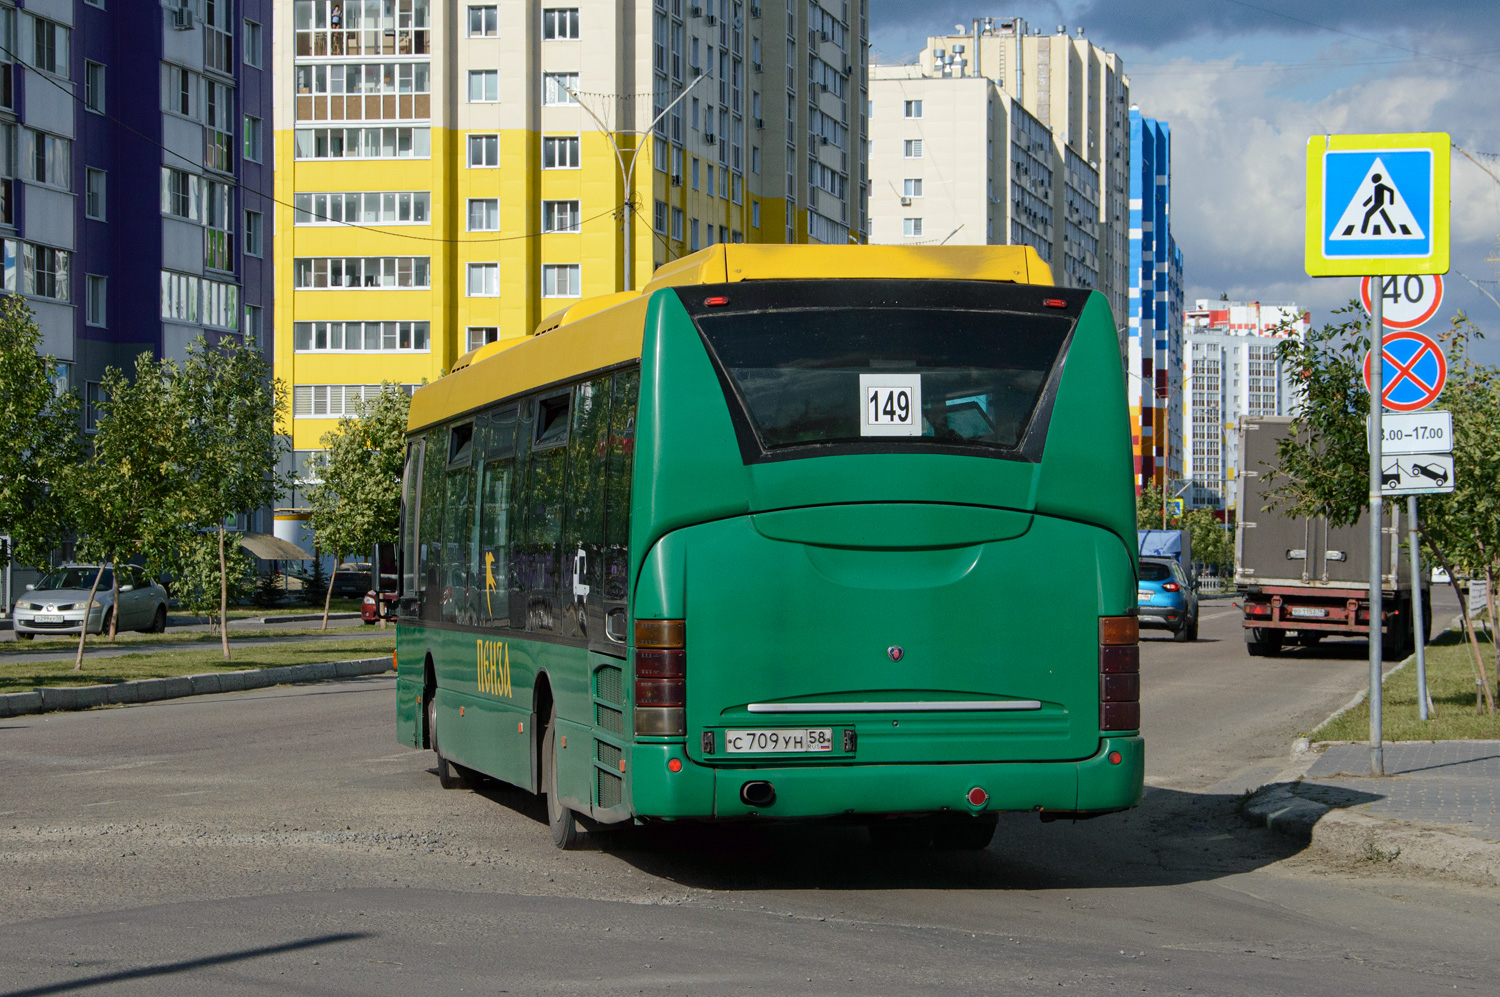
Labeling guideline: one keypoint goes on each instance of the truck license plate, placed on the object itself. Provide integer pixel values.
(753, 742)
(1309, 612)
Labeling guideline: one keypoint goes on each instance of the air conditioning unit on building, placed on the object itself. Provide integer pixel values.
(182, 19)
(695, 11)
(755, 67)
(823, 87)
(676, 179)
(760, 123)
(710, 20)
(822, 36)
(711, 139)
(822, 139)
(754, 10)
(906, 202)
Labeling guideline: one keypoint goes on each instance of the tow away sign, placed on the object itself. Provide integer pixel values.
(1377, 205)
(1416, 474)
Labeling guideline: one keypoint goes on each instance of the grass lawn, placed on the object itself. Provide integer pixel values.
(171, 641)
(1450, 683)
(20, 675)
(254, 613)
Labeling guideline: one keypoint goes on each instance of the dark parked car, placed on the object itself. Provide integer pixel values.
(352, 580)
(1167, 599)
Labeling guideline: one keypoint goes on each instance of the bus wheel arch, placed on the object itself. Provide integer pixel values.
(541, 710)
(429, 692)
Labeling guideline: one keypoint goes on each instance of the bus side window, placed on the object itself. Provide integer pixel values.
(616, 567)
(489, 582)
(515, 586)
(458, 526)
(583, 537)
(546, 481)
(411, 491)
(430, 527)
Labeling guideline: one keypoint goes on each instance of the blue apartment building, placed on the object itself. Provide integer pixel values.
(1154, 348)
(135, 177)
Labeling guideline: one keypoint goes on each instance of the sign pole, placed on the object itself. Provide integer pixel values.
(1416, 605)
(1377, 408)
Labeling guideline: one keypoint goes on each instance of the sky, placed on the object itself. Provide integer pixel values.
(1244, 83)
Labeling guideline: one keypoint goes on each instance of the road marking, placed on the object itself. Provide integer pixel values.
(191, 792)
(103, 804)
(1222, 612)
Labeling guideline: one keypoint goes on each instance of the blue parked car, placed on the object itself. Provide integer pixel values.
(1168, 600)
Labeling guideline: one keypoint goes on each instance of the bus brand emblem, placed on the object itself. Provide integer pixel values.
(896, 653)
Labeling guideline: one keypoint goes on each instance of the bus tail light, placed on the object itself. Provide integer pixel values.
(1119, 673)
(660, 677)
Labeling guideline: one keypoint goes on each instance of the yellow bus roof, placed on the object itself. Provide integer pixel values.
(730, 262)
(606, 330)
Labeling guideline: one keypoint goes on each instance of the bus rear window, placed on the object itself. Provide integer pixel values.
(886, 374)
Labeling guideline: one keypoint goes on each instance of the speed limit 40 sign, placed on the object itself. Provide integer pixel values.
(1408, 301)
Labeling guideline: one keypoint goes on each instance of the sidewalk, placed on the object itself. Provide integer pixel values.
(1436, 811)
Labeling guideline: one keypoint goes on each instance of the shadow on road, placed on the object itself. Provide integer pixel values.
(1173, 837)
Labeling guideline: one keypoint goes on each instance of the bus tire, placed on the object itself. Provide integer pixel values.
(965, 834)
(449, 776)
(563, 822)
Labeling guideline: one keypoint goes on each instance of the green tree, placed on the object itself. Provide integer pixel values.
(1323, 464)
(1461, 530)
(1212, 543)
(196, 578)
(1149, 512)
(231, 407)
(39, 425)
(358, 501)
(125, 498)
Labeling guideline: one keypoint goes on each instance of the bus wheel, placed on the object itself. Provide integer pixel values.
(563, 822)
(449, 777)
(965, 834)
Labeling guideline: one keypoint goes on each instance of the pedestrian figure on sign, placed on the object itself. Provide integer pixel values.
(1380, 196)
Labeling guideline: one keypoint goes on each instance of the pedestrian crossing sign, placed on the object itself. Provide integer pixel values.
(1378, 205)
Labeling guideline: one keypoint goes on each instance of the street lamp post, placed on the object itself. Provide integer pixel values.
(627, 174)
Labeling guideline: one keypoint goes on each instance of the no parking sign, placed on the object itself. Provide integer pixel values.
(1413, 373)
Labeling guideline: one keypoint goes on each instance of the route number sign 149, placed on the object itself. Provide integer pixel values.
(890, 404)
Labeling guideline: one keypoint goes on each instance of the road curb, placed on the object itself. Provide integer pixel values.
(1362, 839)
(49, 699)
(307, 617)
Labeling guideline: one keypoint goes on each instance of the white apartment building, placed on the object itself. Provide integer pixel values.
(1077, 92)
(1234, 372)
(956, 161)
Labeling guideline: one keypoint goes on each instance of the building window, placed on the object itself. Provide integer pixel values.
(484, 21)
(360, 337)
(48, 159)
(252, 139)
(93, 86)
(254, 319)
(93, 405)
(911, 227)
(677, 224)
(479, 335)
(93, 200)
(560, 216)
(755, 214)
(252, 45)
(659, 217)
(560, 153)
(912, 109)
(218, 36)
(911, 188)
(559, 23)
(218, 219)
(324, 401)
(186, 298)
(181, 194)
(95, 299)
(44, 272)
(316, 273)
(484, 151)
(383, 207)
(912, 149)
(362, 143)
(484, 214)
(254, 233)
(556, 87)
(693, 242)
(484, 86)
(484, 280)
(49, 47)
(560, 280)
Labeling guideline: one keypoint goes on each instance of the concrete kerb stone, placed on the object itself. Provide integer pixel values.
(54, 698)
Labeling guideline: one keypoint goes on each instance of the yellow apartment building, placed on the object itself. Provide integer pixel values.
(449, 173)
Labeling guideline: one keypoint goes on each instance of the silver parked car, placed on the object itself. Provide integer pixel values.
(56, 604)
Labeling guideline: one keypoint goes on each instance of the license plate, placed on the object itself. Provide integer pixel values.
(755, 742)
(48, 617)
(1144, 596)
(1309, 612)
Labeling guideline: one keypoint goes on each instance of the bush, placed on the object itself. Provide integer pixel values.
(268, 592)
(315, 588)
(195, 583)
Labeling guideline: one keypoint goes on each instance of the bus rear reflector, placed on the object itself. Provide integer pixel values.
(660, 677)
(1119, 673)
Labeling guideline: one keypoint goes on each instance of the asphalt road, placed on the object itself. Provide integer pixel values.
(281, 842)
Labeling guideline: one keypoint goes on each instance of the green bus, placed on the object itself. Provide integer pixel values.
(794, 532)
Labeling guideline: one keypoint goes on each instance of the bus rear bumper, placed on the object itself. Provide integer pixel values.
(708, 792)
